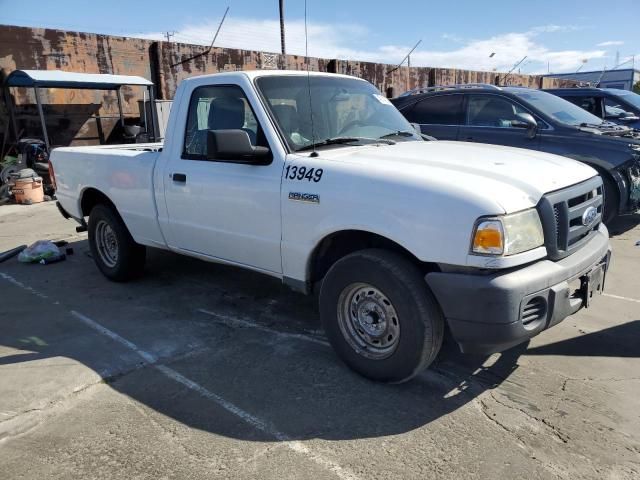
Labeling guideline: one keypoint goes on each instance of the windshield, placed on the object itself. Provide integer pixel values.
(557, 108)
(343, 108)
(629, 97)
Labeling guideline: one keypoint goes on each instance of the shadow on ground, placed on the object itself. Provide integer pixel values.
(299, 387)
(620, 341)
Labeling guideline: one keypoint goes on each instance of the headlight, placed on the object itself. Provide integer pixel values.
(508, 234)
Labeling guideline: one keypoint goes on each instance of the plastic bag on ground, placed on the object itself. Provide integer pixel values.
(40, 250)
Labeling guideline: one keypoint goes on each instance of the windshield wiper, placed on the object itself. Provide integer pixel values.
(398, 133)
(341, 141)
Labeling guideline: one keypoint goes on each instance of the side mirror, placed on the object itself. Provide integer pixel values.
(235, 145)
(526, 120)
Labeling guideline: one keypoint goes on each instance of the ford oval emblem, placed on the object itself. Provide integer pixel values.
(589, 216)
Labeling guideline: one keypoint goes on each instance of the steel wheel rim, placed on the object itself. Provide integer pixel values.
(368, 321)
(107, 244)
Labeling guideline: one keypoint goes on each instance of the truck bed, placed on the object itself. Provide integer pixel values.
(122, 172)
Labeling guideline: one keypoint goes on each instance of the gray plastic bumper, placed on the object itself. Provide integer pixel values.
(486, 313)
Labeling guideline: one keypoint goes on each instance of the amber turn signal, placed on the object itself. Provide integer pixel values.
(489, 238)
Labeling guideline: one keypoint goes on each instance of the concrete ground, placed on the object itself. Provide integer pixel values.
(204, 371)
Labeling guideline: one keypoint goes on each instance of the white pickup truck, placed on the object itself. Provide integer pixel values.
(319, 181)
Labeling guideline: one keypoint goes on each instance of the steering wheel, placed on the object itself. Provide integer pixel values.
(353, 123)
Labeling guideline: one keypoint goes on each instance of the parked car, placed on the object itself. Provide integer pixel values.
(610, 104)
(320, 182)
(536, 120)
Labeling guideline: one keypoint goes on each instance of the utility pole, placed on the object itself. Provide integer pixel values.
(169, 35)
(282, 27)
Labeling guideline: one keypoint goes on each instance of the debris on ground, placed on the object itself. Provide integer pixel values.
(47, 261)
(42, 251)
(12, 253)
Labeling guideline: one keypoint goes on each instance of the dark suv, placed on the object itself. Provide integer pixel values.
(527, 118)
(618, 106)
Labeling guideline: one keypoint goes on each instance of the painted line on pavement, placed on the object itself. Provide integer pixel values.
(621, 298)
(19, 284)
(238, 322)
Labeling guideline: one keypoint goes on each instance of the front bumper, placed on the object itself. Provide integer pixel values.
(486, 313)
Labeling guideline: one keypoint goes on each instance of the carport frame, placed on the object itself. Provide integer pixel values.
(38, 79)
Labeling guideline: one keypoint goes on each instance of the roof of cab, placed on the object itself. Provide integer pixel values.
(251, 74)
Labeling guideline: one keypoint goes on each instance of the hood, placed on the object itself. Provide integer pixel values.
(512, 178)
(613, 130)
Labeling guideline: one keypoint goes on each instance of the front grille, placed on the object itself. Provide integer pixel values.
(562, 213)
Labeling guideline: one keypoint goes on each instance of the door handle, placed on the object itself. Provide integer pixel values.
(179, 177)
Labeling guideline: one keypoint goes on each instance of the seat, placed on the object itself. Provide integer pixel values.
(227, 113)
(494, 113)
(287, 118)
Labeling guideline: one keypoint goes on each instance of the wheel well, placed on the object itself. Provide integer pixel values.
(340, 244)
(92, 197)
(608, 177)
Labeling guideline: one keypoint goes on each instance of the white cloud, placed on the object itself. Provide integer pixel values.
(556, 28)
(610, 43)
(452, 37)
(353, 42)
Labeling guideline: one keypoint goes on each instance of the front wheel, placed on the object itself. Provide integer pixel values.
(380, 316)
(113, 249)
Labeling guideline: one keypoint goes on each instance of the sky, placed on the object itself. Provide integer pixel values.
(556, 36)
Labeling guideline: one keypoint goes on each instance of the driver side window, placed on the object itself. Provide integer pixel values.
(492, 111)
(614, 109)
(218, 108)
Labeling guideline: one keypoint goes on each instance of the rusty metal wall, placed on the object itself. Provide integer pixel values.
(174, 62)
(70, 113)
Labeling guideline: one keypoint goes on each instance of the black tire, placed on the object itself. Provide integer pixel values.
(611, 199)
(420, 322)
(125, 259)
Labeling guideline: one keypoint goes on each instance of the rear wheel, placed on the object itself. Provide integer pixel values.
(380, 316)
(113, 249)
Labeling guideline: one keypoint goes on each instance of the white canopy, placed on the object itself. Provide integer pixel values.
(61, 79)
